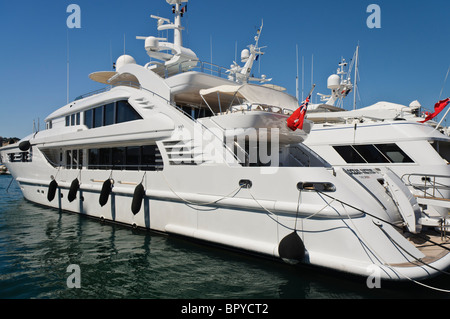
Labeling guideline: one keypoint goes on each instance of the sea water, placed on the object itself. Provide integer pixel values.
(49, 254)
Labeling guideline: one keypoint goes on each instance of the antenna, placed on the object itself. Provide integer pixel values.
(443, 85)
(110, 53)
(68, 66)
(296, 79)
(211, 50)
(303, 77)
(312, 70)
(124, 43)
(356, 78)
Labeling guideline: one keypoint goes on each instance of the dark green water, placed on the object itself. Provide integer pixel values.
(37, 245)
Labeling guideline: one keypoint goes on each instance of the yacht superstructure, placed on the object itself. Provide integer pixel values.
(171, 148)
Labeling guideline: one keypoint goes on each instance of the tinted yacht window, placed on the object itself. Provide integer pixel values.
(98, 117)
(377, 153)
(370, 153)
(109, 114)
(146, 158)
(112, 113)
(93, 159)
(125, 112)
(133, 157)
(88, 117)
(118, 157)
(443, 148)
(349, 154)
(105, 158)
(394, 153)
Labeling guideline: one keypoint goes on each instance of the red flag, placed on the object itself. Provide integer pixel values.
(295, 121)
(438, 107)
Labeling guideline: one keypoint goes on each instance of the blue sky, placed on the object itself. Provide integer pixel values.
(406, 59)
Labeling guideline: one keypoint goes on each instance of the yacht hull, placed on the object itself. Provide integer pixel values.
(212, 205)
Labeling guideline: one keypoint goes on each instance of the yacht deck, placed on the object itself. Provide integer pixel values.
(428, 246)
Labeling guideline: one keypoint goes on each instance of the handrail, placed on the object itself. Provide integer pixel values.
(108, 88)
(193, 119)
(85, 95)
(429, 185)
(263, 107)
(205, 127)
(206, 67)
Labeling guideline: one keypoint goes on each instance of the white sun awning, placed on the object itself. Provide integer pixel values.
(256, 94)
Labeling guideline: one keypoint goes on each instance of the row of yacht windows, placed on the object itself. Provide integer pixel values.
(373, 153)
(146, 158)
(112, 113)
(73, 119)
(104, 115)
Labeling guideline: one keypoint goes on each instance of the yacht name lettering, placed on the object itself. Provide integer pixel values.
(355, 171)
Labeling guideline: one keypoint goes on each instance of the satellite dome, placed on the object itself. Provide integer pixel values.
(334, 82)
(151, 44)
(123, 60)
(245, 54)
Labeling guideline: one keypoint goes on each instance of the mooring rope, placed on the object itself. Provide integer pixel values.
(7, 189)
(356, 229)
(418, 260)
(389, 223)
(417, 235)
(199, 203)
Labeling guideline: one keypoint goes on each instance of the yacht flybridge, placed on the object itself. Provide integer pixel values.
(187, 148)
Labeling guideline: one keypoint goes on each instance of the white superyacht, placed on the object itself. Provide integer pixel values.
(183, 147)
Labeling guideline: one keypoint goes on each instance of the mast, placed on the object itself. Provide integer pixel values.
(296, 80)
(254, 52)
(303, 76)
(356, 78)
(68, 65)
(177, 35)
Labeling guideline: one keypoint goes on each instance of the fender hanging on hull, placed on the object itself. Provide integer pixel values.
(74, 187)
(291, 248)
(52, 190)
(105, 192)
(138, 196)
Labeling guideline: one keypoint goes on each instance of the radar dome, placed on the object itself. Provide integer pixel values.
(123, 60)
(245, 54)
(334, 82)
(151, 44)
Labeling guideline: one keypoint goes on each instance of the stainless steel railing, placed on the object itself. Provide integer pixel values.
(431, 186)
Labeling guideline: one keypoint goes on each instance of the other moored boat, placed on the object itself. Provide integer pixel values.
(386, 136)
